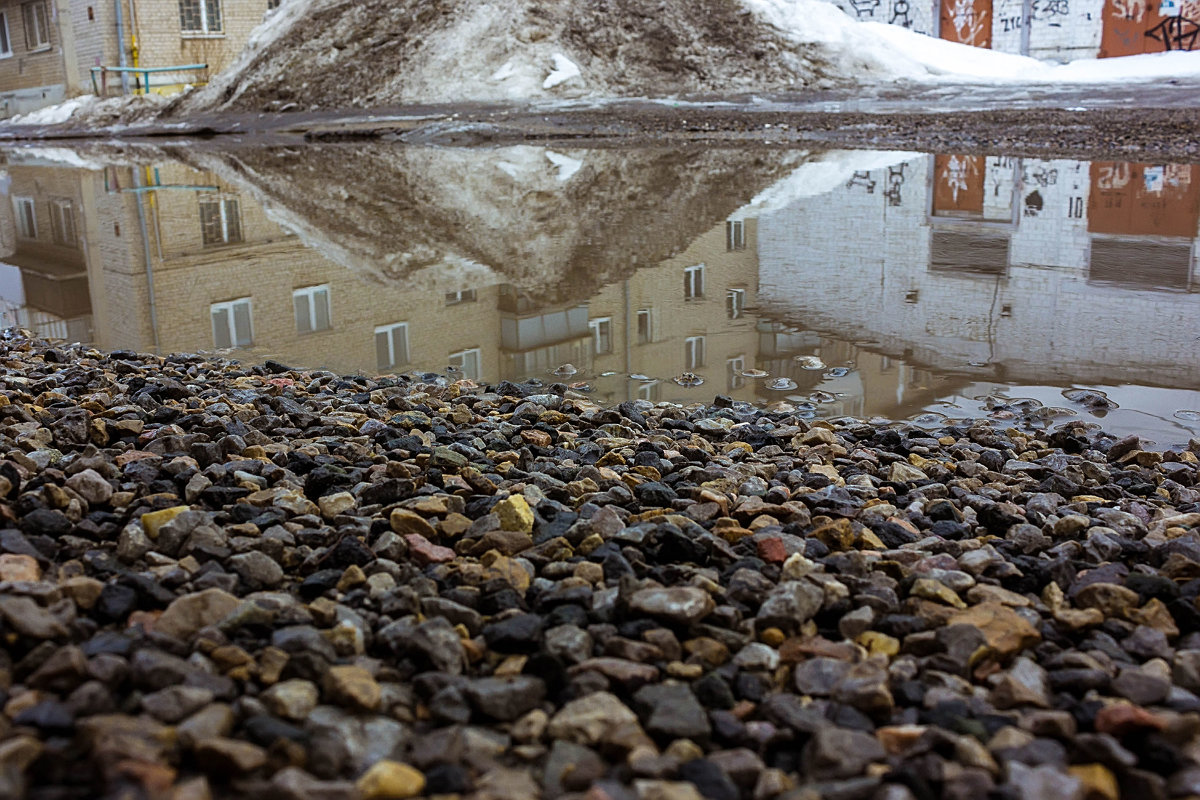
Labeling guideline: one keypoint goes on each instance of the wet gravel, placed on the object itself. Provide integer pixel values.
(222, 580)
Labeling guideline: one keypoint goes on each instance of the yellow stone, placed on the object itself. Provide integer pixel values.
(1098, 781)
(391, 780)
(590, 543)
(353, 576)
(19, 568)
(936, 590)
(772, 637)
(515, 514)
(867, 540)
(508, 570)
(154, 520)
(879, 644)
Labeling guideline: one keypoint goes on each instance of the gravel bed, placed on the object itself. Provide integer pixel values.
(223, 581)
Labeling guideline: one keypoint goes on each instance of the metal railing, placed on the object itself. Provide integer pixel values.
(145, 72)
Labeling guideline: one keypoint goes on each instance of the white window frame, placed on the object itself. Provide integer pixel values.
(230, 306)
(6, 50)
(693, 353)
(394, 360)
(36, 43)
(735, 303)
(19, 203)
(601, 328)
(734, 367)
(205, 31)
(308, 295)
(460, 297)
(648, 315)
(223, 202)
(62, 215)
(735, 235)
(462, 357)
(693, 282)
(648, 392)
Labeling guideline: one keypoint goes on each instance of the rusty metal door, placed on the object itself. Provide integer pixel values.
(967, 22)
(1144, 199)
(958, 186)
(1133, 27)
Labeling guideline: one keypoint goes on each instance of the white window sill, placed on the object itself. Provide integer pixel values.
(6, 55)
(202, 35)
(43, 49)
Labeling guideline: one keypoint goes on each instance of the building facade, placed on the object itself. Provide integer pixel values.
(1051, 30)
(48, 48)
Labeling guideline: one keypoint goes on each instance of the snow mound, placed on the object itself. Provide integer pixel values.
(344, 54)
(92, 110)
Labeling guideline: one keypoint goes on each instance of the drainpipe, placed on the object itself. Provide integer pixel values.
(137, 181)
(134, 50)
(121, 45)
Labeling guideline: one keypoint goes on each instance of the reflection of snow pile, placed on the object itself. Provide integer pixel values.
(823, 174)
(557, 224)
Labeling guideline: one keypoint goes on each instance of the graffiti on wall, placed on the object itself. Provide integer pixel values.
(967, 22)
(1144, 199)
(895, 183)
(1132, 27)
(862, 179)
(958, 187)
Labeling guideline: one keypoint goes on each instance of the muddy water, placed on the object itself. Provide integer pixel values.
(902, 286)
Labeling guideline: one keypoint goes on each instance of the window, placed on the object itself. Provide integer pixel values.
(467, 361)
(735, 303)
(466, 296)
(273, 4)
(734, 368)
(601, 335)
(391, 346)
(231, 324)
(62, 223)
(645, 332)
(312, 308)
(5, 40)
(220, 220)
(200, 17)
(735, 235)
(693, 282)
(37, 25)
(693, 352)
(649, 392)
(26, 217)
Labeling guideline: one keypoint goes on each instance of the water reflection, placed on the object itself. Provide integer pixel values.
(898, 285)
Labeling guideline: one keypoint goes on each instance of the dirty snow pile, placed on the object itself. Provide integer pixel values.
(95, 111)
(331, 54)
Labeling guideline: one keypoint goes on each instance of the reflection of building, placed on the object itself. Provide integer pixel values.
(48, 47)
(1025, 271)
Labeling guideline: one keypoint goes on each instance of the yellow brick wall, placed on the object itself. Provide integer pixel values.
(25, 69)
(163, 42)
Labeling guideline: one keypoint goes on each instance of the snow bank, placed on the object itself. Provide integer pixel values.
(91, 110)
(54, 115)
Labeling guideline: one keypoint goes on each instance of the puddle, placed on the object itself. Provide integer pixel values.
(899, 286)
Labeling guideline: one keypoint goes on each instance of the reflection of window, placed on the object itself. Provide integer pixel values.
(735, 235)
(5, 40)
(735, 303)
(693, 352)
(62, 223)
(26, 217)
(312, 308)
(273, 4)
(734, 368)
(391, 346)
(693, 282)
(231, 324)
(466, 296)
(648, 391)
(200, 17)
(645, 332)
(37, 25)
(220, 220)
(601, 335)
(467, 361)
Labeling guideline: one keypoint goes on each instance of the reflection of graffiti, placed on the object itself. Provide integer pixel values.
(895, 181)
(1043, 177)
(1175, 33)
(900, 14)
(864, 8)
(1113, 176)
(957, 174)
(862, 179)
(1034, 203)
(969, 24)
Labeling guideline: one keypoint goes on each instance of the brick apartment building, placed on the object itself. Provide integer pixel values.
(48, 47)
